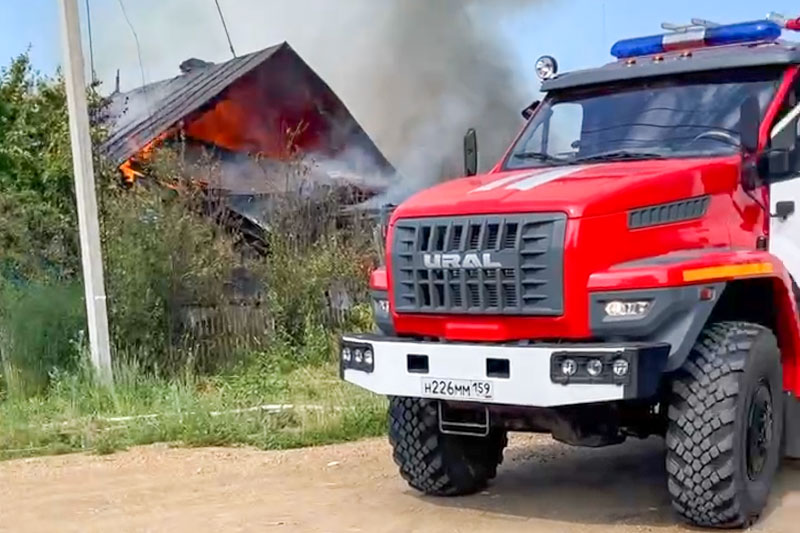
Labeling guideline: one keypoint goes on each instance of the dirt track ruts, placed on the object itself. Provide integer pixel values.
(542, 487)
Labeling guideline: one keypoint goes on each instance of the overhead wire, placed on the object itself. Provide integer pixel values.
(91, 42)
(225, 27)
(138, 53)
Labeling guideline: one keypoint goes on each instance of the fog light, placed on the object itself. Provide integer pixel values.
(621, 367)
(594, 367)
(622, 309)
(569, 367)
(347, 355)
(381, 307)
(358, 355)
(368, 356)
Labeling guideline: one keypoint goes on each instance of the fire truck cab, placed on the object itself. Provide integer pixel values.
(627, 269)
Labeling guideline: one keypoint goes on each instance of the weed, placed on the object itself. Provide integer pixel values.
(78, 414)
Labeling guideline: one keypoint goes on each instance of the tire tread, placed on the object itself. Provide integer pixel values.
(701, 419)
(438, 464)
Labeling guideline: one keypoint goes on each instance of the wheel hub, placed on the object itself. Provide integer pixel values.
(759, 430)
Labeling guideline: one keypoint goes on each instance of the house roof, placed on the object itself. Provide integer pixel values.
(138, 117)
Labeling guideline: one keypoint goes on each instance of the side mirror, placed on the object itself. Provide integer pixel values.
(527, 113)
(471, 153)
(749, 124)
(776, 162)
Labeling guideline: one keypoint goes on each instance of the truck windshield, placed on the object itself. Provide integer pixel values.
(688, 116)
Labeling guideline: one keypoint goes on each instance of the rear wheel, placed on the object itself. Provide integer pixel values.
(725, 426)
(435, 463)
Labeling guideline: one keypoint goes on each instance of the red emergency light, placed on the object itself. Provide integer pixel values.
(787, 24)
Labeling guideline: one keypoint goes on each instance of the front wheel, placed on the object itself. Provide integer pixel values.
(725, 426)
(435, 463)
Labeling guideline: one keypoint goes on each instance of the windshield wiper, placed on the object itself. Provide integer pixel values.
(540, 156)
(619, 155)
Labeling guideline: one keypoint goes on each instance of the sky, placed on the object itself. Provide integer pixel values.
(579, 33)
(331, 35)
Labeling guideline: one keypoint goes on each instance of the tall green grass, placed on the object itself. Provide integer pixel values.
(41, 331)
(78, 414)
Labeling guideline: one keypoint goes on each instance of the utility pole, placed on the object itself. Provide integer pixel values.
(91, 253)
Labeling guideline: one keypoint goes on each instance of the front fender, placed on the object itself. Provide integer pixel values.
(685, 273)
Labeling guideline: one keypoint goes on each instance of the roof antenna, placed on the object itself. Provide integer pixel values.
(705, 23)
(696, 24)
(669, 26)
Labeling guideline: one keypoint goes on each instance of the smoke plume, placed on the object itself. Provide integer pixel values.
(415, 73)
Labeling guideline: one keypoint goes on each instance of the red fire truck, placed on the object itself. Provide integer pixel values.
(627, 269)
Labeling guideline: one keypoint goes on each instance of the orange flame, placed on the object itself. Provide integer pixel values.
(129, 173)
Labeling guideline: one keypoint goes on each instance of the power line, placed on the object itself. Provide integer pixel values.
(91, 43)
(139, 54)
(225, 26)
(136, 38)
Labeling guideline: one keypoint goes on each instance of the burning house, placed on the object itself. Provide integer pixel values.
(254, 114)
(241, 128)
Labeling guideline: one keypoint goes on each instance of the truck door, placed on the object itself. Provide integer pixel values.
(784, 239)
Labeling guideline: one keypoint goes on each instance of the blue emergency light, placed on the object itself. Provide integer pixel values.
(698, 37)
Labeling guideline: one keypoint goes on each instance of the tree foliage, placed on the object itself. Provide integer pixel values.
(37, 206)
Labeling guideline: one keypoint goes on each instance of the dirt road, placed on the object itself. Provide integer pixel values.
(542, 487)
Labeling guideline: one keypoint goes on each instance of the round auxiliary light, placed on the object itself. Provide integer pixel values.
(368, 356)
(359, 355)
(546, 67)
(621, 368)
(569, 367)
(347, 355)
(594, 367)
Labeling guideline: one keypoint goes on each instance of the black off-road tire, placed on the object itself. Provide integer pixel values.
(435, 463)
(726, 426)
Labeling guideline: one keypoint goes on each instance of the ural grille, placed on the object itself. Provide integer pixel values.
(515, 265)
(668, 213)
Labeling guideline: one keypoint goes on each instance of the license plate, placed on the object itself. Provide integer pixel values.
(458, 388)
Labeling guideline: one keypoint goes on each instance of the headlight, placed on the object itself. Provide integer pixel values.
(621, 368)
(594, 367)
(357, 356)
(569, 367)
(627, 309)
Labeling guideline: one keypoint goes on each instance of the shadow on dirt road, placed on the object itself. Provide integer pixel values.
(623, 484)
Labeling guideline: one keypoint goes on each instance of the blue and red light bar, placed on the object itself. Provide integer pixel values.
(700, 37)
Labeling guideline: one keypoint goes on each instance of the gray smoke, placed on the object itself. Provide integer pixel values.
(415, 73)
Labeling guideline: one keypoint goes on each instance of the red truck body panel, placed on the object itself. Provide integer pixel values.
(596, 199)
(601, 250)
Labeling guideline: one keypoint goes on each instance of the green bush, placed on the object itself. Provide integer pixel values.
(161, 258)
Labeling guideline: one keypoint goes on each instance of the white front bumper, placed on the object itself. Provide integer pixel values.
(528, 383)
